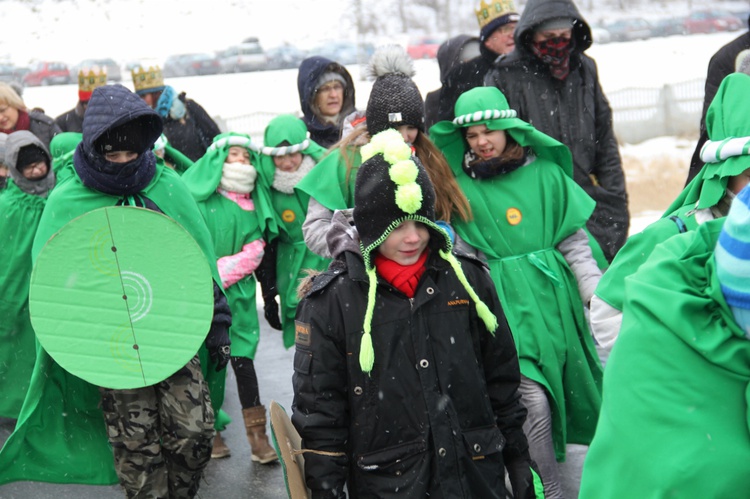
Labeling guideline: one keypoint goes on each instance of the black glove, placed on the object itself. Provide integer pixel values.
(271, 312)
(521, 479)
(217, 344)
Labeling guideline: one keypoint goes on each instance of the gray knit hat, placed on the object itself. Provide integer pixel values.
(394, 99)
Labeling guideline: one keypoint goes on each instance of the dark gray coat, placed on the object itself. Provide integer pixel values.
(574, 111)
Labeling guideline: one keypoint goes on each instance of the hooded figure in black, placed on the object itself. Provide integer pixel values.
(554, 86)
(453, 53)
(314, 73)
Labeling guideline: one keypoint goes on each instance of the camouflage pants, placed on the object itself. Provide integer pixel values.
(161, 435)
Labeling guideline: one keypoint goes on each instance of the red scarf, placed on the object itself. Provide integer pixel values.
(22, 123)
(403, 277)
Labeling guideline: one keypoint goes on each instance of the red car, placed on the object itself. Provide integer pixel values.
(425, 47)
(47, 73)
(712, 21)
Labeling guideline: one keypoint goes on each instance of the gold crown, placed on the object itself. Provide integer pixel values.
(488, 12)
(87, 82)
(147, 79)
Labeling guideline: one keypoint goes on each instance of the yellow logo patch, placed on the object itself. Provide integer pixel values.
(302, 333)
(288, 216)
(513, 215)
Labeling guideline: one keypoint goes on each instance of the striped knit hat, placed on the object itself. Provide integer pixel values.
(733, 259)
(392, 187)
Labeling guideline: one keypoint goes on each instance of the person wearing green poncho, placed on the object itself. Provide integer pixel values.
(528, 222)
(707, 197)
(69, 429)
(288, 156)
(21, 206)
(237, 211)
(674, 421)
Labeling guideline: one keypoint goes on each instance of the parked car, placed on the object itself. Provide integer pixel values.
(285, 57)
(197, 64)
(423, 47)
(599, 34)
(712, 21)
(626, 30)
(47, 73)
(11, 74)
(244, 57)
(108, 65)
(344, 52)
(668, 26)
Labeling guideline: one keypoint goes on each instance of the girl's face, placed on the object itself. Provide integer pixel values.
(406, 243)
(409, 133)
(487, 144)
(238, 154)
(288, 162)
(35, 171)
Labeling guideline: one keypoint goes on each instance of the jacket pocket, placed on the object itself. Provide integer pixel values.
(482, 442)
(399, 471)
(302, 360)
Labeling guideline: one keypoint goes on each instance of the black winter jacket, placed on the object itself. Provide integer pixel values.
(43, 126)
(323, 133)
(72, 121)
(194, 133)
(574, 111)
(440, 411)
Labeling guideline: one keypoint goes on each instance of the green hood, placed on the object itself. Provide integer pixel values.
(286, 128)
(726, 118)
(488, 106)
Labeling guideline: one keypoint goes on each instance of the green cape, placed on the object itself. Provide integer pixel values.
(674, 420)
(328, 183)
(21, 214)
(290, 210)
(519, 219)
(62, 147)
(231, 228)
(60, 436)
(725, 119)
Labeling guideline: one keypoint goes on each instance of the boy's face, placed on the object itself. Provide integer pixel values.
(120, 156)
(238, 154)
(288, 162)
(406, 243)
(35, 171)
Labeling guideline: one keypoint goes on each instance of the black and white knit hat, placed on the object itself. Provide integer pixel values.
(394, 99)
(392, 187)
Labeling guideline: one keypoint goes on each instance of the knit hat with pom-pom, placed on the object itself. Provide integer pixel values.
(394, 99)
(392, 187)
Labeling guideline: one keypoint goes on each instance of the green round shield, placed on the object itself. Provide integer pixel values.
(121, 297)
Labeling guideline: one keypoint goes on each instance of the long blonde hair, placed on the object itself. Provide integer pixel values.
(449, 198)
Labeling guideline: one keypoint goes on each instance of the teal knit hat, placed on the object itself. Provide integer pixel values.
(392, 187)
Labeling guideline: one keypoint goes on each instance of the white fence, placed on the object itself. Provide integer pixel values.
(638, 113)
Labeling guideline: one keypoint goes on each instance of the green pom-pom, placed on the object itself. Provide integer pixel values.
(404, 172)
(366, 353)
(397, 151)
(409, 197)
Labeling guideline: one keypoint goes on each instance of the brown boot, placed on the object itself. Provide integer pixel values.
(255, 424)
(220, 449)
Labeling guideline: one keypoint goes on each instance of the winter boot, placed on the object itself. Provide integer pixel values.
(220, 449)
(255, 424)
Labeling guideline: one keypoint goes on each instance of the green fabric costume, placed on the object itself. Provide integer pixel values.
(60, 436)
(290, 210)
(231, 228)
(329, 183)
(21, 214)
(674, 420)
(61, 147)
(180, 163)
(725, 119)
(519, 219)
